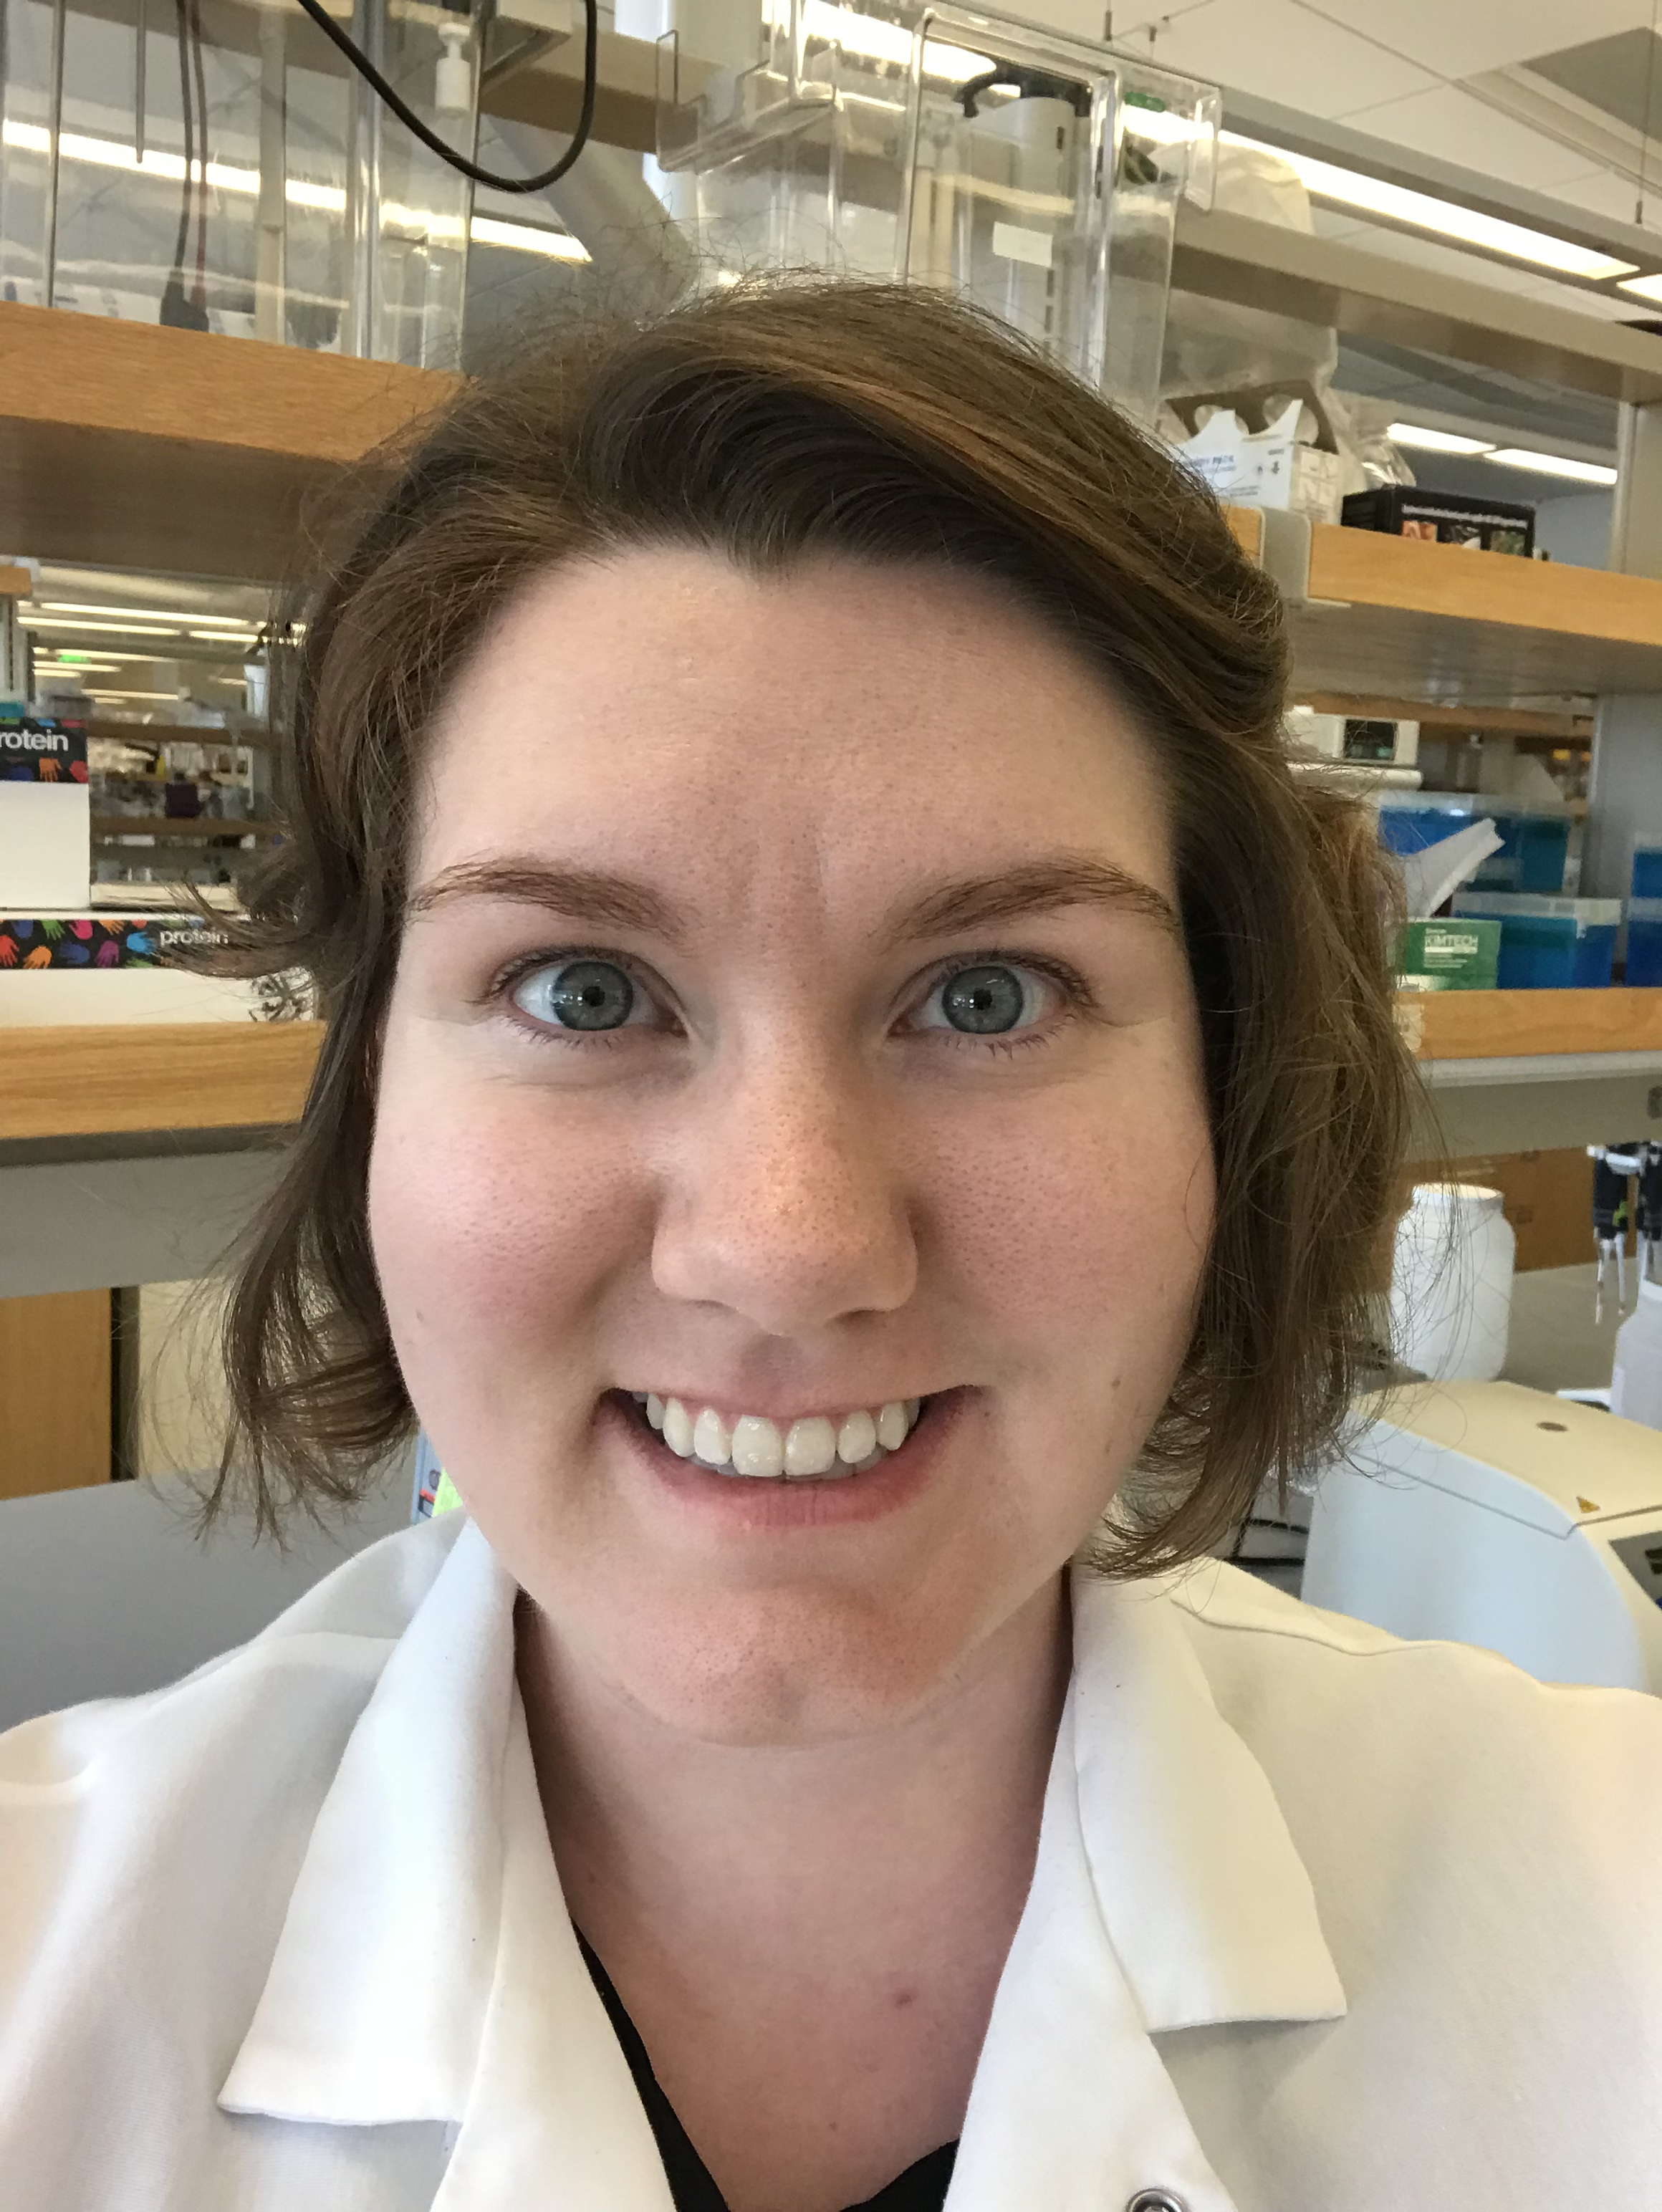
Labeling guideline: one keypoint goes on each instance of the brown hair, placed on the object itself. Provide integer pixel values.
(773, 424)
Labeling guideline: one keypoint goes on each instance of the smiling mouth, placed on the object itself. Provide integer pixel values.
(817, 1449)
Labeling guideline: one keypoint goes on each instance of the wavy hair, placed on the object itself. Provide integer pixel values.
(775, 424)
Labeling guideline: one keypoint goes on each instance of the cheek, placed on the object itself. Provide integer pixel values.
(1083, 1232)
(493, 1233)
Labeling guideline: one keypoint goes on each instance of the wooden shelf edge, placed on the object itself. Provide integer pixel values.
(198, 388)
(118, 1078)
(164, 825)
(1519, 1024)
(1375, 569)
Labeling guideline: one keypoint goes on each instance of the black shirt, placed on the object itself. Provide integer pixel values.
(921, 2187)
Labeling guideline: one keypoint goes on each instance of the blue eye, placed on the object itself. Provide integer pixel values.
(988, 999)
(580, 995)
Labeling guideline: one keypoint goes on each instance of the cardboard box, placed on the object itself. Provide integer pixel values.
(32, 941)
(1271, 467)
(46, 812)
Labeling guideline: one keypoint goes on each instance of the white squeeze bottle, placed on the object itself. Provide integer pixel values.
(1636, 1384)
(1450, 1283)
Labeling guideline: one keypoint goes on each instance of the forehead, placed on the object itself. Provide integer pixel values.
(835, 724)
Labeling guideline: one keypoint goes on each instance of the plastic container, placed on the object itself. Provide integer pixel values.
(1548, 944)
(1450, 1283)
(1036, 174)
(1534, 835)
(1647, 865)
(1644, 940)
(1636, 1382)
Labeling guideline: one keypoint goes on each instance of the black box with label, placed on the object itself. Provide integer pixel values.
(1488, 526)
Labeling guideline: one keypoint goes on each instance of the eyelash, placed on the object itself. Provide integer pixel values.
(1079, 999)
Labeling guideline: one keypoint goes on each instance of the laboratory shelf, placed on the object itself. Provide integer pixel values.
(1605, 1026)
(180, 733)
(106, 827)
(127, 445)
(1540, 1067)
(120, 1079)
(131, 445)
(1404, 619)
(1538, 730)
(1507, 1072)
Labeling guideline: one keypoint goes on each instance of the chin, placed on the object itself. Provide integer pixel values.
(786, 1666)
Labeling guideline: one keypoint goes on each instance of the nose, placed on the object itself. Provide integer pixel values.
(784, 1201)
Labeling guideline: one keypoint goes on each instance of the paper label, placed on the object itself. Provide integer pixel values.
(1013, 243)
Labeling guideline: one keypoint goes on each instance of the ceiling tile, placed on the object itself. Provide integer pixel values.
(1282, 50)
(1432, 253)
(1460, 39)
(1603, 192)
(1458, 127)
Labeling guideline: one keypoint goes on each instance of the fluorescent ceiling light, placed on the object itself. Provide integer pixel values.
(1552, 465)
(1322, 180)
(146, 614)
(1644, 287)
(108, 656)
(301, 191)
(241, 639)
(528, 238)
(76, 622)
(1435, 441)
(172, 695)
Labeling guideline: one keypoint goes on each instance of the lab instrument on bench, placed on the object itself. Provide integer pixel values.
(1498, 1515)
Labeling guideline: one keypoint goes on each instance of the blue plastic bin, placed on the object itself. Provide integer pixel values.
(1644, 940)
(1534, 835)
(1548, 944)
(1647, 865)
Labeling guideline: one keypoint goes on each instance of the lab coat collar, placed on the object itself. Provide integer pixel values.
(427, 1969)
(377, 1992)
(1202, 1891)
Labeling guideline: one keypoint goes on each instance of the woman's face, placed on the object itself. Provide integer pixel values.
(792, 1023)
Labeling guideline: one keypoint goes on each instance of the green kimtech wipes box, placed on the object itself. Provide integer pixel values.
(1457, 955)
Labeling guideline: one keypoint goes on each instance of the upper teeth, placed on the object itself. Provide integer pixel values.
(816, 1448)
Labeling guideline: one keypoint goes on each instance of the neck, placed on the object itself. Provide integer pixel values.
(673, 1849)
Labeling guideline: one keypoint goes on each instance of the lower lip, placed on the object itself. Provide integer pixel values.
(747, 1502)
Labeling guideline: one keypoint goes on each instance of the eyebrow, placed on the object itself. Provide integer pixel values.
(1033, 887)
(974, 902)
(584, 894)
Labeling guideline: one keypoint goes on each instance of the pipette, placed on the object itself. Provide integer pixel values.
(1612, 1165)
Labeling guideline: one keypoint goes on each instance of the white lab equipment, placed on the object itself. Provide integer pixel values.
(1450, 1283)
(1498, 1515)
(1636, 1379)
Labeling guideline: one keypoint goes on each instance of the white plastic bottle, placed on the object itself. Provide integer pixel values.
(1636, 1383)
(1450, 1283)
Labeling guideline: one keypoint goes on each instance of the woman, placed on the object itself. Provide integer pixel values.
(858, 1099)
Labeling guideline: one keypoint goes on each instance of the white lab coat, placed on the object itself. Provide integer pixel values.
(1321, 1923)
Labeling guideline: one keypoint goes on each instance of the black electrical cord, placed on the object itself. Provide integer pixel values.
(177, 311)
(413, 122)
(200, 294)
(182, 243)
